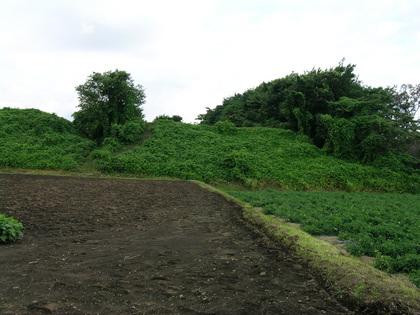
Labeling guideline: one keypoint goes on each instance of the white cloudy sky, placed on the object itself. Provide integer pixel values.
(190, 54)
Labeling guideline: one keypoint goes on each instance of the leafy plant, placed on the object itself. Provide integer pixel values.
(415, 278)
(10, 229)
(130, 131)
(225, 127)
(237, 164)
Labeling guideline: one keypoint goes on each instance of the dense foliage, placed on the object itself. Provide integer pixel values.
(10, 229)
(254, 157)
(384, 226)
(175, 118)
(110, 106)
(333, 108)
(30, 138)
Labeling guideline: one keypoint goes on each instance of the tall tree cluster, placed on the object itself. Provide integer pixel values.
(333, 108)
(110, 105)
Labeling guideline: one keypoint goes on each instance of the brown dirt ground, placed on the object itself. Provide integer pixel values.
(120, 246)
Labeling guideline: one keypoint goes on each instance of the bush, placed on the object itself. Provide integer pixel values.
(112, 144)
(272, 157)
(175, 118)
(238, 164)
(10, 229)
(225, 127)
(130, 131)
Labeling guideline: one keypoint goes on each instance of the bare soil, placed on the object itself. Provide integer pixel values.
(122, 246)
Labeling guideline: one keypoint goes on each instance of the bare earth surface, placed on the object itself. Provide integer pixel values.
(114, 246)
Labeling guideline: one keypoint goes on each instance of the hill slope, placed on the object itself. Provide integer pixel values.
(222, 154)
(30, 138)
(254, 157)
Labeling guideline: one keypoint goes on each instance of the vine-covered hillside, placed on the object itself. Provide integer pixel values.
(30, 138)
(254, 157)
(221, 154)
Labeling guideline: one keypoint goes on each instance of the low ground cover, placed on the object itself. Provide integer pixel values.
(384, 226)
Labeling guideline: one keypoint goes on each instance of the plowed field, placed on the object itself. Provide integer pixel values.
(120, 246)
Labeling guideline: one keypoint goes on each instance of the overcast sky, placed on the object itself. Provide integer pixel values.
(191, 54)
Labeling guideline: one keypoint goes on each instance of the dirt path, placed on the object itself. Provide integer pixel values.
(108, 246)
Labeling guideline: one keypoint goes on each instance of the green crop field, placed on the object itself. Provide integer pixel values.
(384, 226)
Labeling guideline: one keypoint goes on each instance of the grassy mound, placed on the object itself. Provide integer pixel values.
(32, 139)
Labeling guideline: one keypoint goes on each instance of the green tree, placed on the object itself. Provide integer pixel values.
(105, 100)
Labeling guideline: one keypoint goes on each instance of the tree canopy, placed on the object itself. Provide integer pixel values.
(332, 107)
(107, 102)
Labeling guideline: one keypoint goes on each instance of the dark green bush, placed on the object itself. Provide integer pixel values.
(225, 127)
(130, 132)
(237, 164)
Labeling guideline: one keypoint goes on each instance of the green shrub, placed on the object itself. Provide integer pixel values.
(111, 144)
(100, 154)
(10, 229)
(225, 127)
(175, 118)
(130, 131)
(237, 164)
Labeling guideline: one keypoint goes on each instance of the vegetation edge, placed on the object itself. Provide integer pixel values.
(345, 277)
